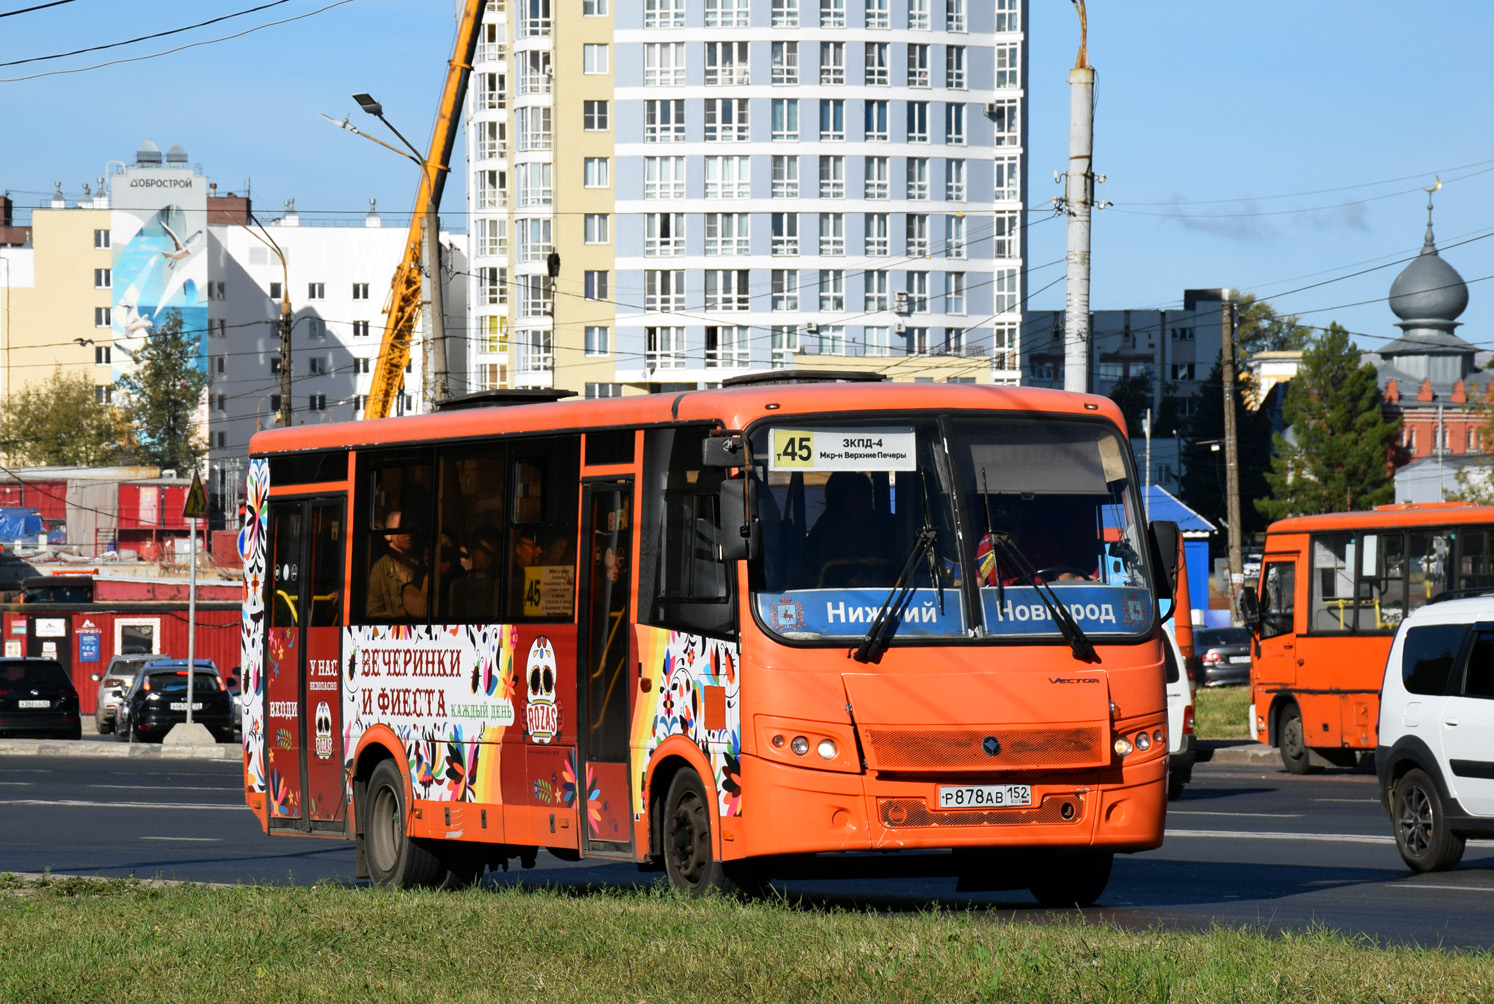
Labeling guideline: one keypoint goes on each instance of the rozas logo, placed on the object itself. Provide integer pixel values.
(542, 712)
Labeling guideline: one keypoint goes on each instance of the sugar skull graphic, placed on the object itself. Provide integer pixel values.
(323, 731)
(542, 715)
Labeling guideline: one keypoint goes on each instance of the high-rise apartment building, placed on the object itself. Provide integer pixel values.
(663, 193)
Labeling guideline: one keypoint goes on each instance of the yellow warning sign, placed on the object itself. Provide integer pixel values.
(196, 505)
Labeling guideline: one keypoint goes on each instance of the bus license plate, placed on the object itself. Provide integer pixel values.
(983, 796)
(34, 704)
(182, 705)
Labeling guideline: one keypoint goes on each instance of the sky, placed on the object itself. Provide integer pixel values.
(1276, 147)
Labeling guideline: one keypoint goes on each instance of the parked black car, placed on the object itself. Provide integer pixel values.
(37, 698)
(1221, 656)
(157, 700)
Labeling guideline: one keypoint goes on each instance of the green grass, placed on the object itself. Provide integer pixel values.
(1221, 712)
(70, 940)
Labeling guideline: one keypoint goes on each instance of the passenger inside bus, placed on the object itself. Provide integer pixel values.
(397, 580)
(526, 553)
(851, 544)
(474, 596)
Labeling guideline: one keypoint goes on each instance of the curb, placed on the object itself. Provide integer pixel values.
(1240, 754)
(116, 750)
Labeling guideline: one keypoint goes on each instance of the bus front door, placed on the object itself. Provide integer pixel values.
(602, 670)
(303, 717)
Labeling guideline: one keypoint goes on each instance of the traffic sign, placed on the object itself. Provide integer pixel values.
(196, 505)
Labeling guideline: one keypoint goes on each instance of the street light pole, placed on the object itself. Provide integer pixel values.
(285, 320)
(1232, 460)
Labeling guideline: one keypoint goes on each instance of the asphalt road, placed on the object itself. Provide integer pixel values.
(1251, 847)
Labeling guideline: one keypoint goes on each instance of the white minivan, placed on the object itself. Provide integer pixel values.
(1182, 744)
(1435, 756)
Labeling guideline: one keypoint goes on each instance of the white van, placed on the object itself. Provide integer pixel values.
(1435, 756)
(1182, 744)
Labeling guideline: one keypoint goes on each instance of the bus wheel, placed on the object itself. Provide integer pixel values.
(1421, 833)
(1294, 753)
(393, 857)
(1073, 880)
(688, 857)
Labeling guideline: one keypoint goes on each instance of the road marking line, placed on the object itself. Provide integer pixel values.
(1418, 886)
(156, 787)
(194, 840)
(17, 784)
(1351, 801)
(1326, 838)
(79, 803)
(1249, 815)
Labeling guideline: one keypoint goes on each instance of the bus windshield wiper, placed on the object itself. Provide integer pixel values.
(871, 646)
(1072, 633)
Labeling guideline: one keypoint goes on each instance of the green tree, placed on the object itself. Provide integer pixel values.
(1337, 456)
(1202, 454)
(1262, 329)
(61, 421)
(163, 393)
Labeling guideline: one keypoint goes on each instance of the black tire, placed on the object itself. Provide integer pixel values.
(394, 858)
(1294, 753)
(1073, 880)
(1421, 833)
(689, 859)
(104, 728)
(462, 864)
(1174, 789)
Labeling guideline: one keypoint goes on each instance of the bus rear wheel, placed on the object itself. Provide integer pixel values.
(1295, 755)
(689, 858)
(1073, 880)
(394, 858)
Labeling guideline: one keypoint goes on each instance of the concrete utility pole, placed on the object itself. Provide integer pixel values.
(1232, 460)
(1078, 194)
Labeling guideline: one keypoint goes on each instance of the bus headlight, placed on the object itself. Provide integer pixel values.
(1122, 745)
(1143, 742)
(800, 745)
(826, 749)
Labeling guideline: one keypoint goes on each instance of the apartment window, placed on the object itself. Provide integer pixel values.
(316, 291)
(536, 74)
(102, 317)
(1182, 334)
(727, 234)
(785, 177)
(785, 62)
(918, 292)
(316, 402)
(534, 18)
(534, 129)
(594, 116)
(726, 120)
(954, 345)
(876, 235)
(598, 340)
(664, 290)
(832, 118)
(1008, 68)
(727, 14)
(1004, 118)
(494, 282)
(728, 178)
(664, 121)
(274, 402)
(918, 235)
(785, 119)
(832, 62)
(317, 365)
(536, 238)
(491, 88)
(536, 351)
(784, 14)
(103, 355)
(360, 290)
(876, 291)
(597, 228)
(954, 124)
(877, 14)
(877, 343)
(663, 13)
(595, 172)
(832, 289)
(101, 239)
(785, 233)
(491, 136)
(918, 121)
(106, 394)
(877, 186)
(275, 289)
(664, 62)
(784, 289)
(954, 180)
(492, 237)
(832, 339)
(1005, 171)
(536, 295)
(219, 290)
(918, 178)
(599, 390)
(664, 177)
(832, 177)
(832, 13)
(594, 58)
(954, 16)
(918, 15)
(726, 346)
(1008, 15)
(1183, 371)
(726, 289)
(1005, 236)
(220, 402)
(103, 278)
(1005, 291)
(316, 328)
(876, 120)
(664, 234)
(491, 331)
(218, 327)
(954, 292)
(954, 236)
(832, 233)
(726, 63)
(360, 329)
(596, 285)
(664, 348)
(785, 342)
(593, 8)
(918, 65)
(488, 188)
(1003, 347)
(360, 365)
(536, 184)
(954, 67)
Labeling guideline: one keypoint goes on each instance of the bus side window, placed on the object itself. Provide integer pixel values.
(1382, 580)
(391, 573)
(472, 514)
(1332, 583)
(1278, 592)
(540, 551)
(1427, 566)
(683, 583)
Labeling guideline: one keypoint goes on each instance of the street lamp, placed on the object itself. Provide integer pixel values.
(285, 322)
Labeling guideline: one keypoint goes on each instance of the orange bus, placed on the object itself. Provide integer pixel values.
(1332, 590)
(716, 633)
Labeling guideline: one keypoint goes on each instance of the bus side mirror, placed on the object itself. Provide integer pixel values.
(1250, 608)
(721, 451)
(740, 537)
(1166, 541)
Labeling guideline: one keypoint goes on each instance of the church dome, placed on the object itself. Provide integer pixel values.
(1429, 289)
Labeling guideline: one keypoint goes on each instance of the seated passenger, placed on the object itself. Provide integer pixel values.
(474, 596)
(395, 582)
(851, 544)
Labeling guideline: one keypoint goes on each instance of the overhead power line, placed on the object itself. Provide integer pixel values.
(28, 10)
(144, 38)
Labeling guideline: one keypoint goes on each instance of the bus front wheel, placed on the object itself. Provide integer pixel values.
(1073, 880)
(689, 859)
(394, 858)
(1294, 753)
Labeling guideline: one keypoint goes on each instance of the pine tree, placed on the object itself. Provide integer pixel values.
(1201, 451)
(1336, 458)
(62, 421)
(164, 391)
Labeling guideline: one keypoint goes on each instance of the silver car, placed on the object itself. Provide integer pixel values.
(116, 680)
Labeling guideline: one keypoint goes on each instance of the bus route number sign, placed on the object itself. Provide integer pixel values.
(850, 449)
